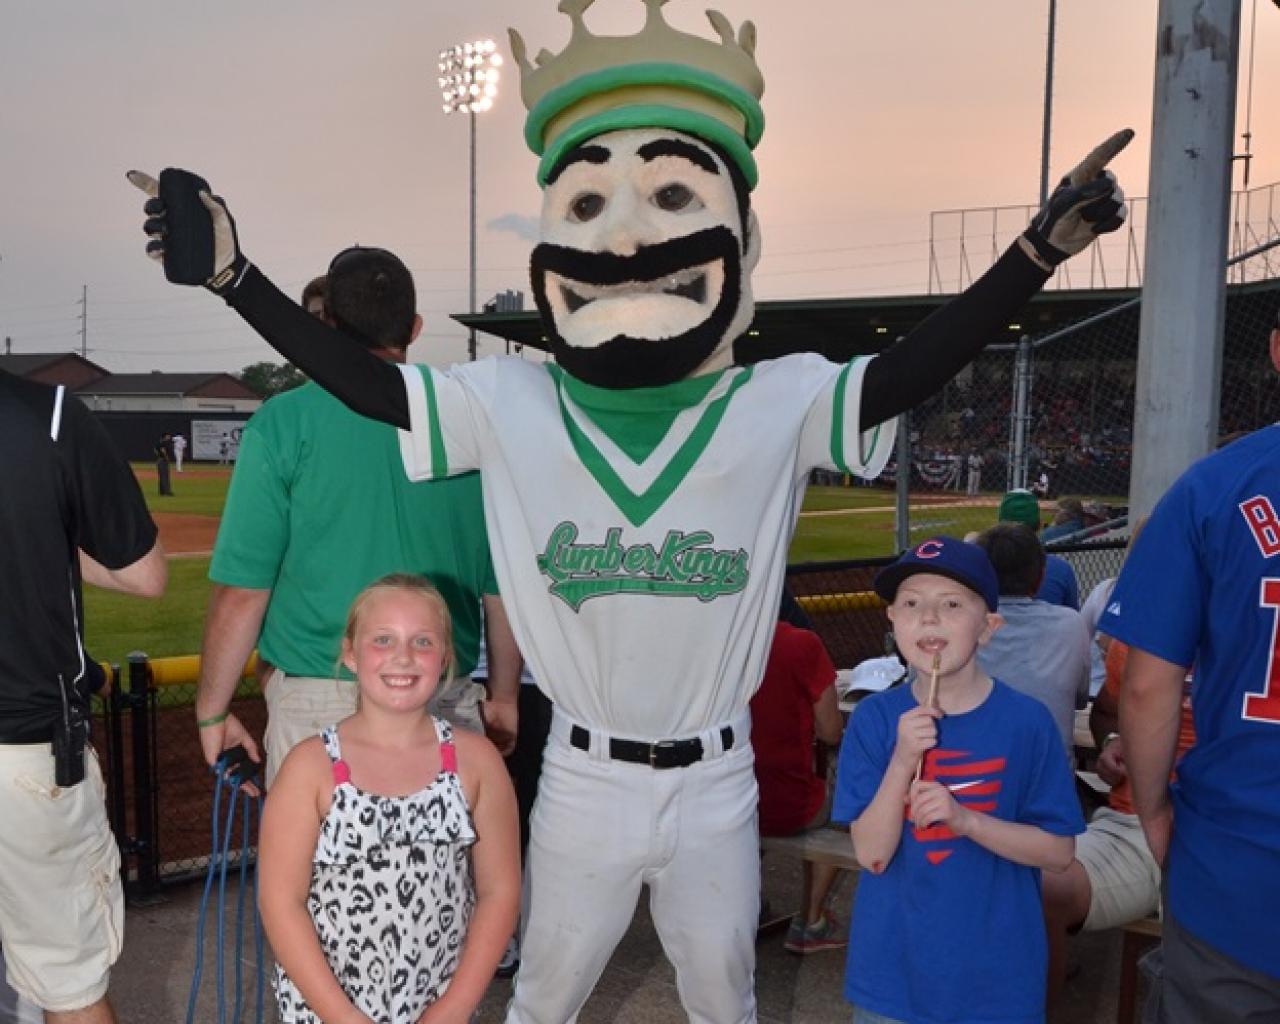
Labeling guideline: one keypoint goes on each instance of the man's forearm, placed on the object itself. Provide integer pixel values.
(504, 656)
(1150, 711)
(231, 629)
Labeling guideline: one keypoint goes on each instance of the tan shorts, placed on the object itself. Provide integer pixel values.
(61, 902)
(1122, 873)
(299, 707)
(303, 706)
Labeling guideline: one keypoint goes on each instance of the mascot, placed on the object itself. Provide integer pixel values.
(640, 492)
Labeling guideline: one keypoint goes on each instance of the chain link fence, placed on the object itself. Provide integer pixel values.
(1054, 412)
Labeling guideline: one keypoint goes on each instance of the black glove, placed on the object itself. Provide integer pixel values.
(190, 230)
(1087, 202)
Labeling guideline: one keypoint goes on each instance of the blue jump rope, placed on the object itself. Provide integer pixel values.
(232, 771)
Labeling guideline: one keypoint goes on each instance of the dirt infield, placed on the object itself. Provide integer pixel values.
(183, 534)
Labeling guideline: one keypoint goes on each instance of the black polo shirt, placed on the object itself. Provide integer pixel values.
(63, 486)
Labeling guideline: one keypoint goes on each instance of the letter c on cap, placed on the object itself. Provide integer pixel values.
(929, 549)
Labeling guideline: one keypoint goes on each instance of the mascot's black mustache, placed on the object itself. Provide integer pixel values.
(649, 262)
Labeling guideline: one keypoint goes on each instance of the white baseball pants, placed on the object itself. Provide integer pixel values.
(600, 830)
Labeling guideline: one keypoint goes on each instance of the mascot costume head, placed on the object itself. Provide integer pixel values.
(643, 274)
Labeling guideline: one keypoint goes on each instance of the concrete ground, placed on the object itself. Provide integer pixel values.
(151, 982)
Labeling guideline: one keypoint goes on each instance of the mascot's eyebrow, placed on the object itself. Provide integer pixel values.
(680, 148)
(579, 154)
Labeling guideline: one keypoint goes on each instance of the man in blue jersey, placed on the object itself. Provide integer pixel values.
(1202, 588)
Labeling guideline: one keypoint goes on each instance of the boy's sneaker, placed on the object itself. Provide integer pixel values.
(510, 962)
(828, 933)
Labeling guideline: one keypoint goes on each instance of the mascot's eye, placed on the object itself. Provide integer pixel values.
(674, 197)
(586, 207)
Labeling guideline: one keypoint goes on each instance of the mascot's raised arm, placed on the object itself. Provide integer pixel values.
(640, 491)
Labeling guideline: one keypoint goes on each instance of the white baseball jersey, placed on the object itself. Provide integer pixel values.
(642, 581)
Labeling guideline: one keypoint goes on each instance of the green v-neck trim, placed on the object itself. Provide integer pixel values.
(637, 419)
(639, 507)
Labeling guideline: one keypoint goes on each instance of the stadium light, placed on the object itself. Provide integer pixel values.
(469, 74)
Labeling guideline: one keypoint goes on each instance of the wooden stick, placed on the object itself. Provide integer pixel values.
(933, 703)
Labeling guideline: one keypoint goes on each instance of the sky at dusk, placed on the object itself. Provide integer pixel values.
(320, 123)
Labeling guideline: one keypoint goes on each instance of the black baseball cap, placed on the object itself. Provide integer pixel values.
(965, 563)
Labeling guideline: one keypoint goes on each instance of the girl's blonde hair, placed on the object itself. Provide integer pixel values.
(410, 583)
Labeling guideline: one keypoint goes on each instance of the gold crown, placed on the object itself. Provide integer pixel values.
(659, 77)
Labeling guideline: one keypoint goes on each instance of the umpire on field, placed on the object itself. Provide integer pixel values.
(71, 511)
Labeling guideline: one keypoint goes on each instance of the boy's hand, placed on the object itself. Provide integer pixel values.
(917, 732)
(933, 804)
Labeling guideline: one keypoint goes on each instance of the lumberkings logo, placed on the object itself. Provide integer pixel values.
(685, 565)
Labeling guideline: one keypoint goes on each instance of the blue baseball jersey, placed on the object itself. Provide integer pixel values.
(1202, 587)
(951, 933)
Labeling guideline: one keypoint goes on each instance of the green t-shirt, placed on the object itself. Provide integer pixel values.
(320, 506)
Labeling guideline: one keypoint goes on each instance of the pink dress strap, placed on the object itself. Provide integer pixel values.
(449, 757)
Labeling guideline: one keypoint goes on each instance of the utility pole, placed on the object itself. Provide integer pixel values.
(84, 321)
(1183, 294)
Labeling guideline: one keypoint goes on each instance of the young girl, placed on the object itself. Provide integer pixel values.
(389, 855)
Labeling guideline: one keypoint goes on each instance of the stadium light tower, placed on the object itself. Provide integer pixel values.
(469, 74)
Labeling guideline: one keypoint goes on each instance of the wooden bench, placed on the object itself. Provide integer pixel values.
(1139, 936)
(819, 845)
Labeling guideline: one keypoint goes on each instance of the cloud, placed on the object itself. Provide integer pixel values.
(516, 224)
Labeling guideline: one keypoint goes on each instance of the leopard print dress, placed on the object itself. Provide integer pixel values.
(391, 892)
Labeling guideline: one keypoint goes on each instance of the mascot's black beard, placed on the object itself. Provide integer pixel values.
(625, 361)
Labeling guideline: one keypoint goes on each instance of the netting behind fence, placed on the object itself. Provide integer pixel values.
(1054, 413)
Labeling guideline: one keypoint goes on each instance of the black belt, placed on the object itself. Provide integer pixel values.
(663, 754)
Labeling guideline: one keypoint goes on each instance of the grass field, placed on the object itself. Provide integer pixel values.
(835, 523)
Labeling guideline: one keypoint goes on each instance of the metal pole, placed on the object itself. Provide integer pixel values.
(1048, 106)
(471, 332)
(1180, 334)
(144, 820)
(1020, 414)
(902, 501)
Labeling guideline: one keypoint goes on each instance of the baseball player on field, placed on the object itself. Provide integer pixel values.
(640, 492)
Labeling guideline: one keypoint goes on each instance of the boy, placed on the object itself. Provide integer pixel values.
(947, 924)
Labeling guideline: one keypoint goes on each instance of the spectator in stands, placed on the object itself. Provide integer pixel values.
(74, 512)
(1042, 649)
(314, 296)
(1059, 585)
(1113, 878)
(794, 710)
(1068, 518)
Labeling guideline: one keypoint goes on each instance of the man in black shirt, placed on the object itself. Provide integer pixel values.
(72, 511)
(164, 458)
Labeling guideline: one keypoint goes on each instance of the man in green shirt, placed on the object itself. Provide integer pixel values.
(319, 506)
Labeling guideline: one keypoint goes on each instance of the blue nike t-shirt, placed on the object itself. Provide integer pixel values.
(951, 933)
(1202, 587)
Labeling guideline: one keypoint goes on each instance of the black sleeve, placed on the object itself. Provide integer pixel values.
(346, 369)
(110, 518)
(904, 375)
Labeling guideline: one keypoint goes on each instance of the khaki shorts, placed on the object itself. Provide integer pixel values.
(61, 902)
(302, 706)
(1122, 873)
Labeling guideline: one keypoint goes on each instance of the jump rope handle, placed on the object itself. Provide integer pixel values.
(236, 768)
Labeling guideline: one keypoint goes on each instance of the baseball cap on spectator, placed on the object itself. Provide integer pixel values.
(1020, 506)
(965, 563)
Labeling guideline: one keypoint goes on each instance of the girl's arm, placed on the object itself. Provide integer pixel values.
(286, 848)
(933, 804)
(495, 860)
(878, 829)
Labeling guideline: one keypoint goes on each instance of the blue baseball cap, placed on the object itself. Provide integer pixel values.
(943, 556)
